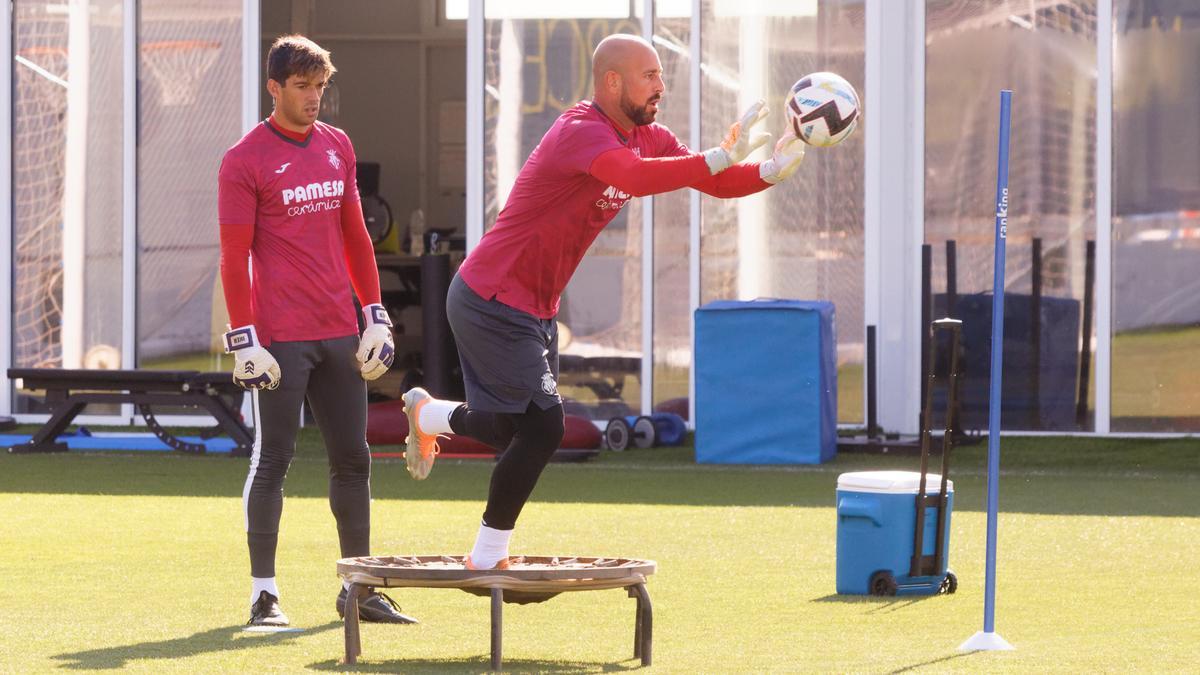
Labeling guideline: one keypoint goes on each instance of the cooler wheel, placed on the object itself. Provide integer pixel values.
(949, 584)
(882, 583)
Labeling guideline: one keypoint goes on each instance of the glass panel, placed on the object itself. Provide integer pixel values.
(534, 70)
(804, 238)
(1047, 56)
(67, 187)
(1156, 217)
(189, 113)
(672, 318)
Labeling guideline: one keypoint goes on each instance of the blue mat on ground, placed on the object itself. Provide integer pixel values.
(134, 442)
(766, 382)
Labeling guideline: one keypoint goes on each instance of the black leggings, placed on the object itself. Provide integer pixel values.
(526, 440)
(325, 373)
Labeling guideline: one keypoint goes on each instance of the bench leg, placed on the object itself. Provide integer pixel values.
(497, 627)
(643, 625)
(353, 641)
(44, 439)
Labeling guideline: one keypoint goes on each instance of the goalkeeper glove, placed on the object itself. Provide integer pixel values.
(253, 365)
(789, 152)
(376, 350)
(739, 142)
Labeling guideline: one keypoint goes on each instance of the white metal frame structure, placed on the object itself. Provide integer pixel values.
(893, 199)
(6, 203)
(475, 114)
(128, 208)
(647, 378)
(1104, 199)
(129, 128)
(129, 199)
(894, 204)
(695, 212)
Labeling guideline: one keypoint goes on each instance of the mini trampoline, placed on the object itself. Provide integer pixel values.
(528, 579)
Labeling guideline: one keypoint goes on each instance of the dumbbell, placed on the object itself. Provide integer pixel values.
(621, 431)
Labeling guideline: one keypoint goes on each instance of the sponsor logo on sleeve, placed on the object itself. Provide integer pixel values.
(612, 199)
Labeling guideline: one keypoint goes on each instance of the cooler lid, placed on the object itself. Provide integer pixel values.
(903, 482)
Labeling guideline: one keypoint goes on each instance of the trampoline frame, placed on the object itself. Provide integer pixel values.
(530, 575)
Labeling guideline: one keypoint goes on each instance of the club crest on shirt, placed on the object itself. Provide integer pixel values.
(334, 160)
(548, 386)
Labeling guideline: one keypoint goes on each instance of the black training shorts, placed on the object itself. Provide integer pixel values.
(509, 357)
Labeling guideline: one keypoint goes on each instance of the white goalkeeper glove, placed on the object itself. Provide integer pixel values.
(253, 365)
(376, 350)
(789, 152)
(739, 142)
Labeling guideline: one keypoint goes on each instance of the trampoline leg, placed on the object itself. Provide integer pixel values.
(353, 643)
(497, 626)
(637, 622)
(643, 630)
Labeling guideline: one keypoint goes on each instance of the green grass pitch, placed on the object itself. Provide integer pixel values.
(127, 561)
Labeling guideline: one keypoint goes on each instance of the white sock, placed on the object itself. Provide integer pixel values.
(257, 586)
(435, 416)
(491, 546)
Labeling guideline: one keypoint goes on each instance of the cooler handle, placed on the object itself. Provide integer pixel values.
(860, 507)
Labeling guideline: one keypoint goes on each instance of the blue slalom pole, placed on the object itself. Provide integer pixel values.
(988, 638)
(993, 485)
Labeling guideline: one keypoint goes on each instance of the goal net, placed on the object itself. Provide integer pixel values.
(39, 145)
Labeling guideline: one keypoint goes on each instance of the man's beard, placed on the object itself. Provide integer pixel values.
(640, 115)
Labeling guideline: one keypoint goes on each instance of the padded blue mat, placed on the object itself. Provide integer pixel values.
(766, 382)
(137, 442)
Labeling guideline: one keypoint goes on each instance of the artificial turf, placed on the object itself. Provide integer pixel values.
(137, 561)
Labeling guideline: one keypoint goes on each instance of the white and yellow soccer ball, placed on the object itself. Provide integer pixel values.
(822, 109)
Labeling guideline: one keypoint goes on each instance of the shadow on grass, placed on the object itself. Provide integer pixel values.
(213, 640)
(931, 662)
(879, 604)
(480, 664)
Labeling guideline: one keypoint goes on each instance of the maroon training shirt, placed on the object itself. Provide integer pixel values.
(293, 192)
(556, 210)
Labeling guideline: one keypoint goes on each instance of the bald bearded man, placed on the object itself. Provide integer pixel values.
(503, 301)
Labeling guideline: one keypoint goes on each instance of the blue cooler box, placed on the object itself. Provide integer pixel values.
(766, 382)
(876, 513)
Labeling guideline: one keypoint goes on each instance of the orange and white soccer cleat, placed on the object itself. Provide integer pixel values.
(421, 448)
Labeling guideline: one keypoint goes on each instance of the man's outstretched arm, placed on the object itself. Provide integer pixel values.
(627, 172)
(638, 176)
(746, 179)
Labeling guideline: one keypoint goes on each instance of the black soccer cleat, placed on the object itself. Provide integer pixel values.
(375, 608)
(266, 612)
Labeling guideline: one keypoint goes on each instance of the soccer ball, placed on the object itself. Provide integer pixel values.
(822, 109)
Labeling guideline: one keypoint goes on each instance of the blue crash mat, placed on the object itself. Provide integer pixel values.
(128, 442)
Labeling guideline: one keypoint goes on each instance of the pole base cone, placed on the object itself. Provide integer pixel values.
(982, 641)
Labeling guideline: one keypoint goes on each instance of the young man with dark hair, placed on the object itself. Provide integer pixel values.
(289, 206)
(503, 301)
